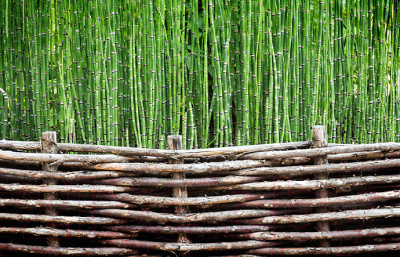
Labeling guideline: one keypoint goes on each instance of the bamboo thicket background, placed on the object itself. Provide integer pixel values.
(218, 72)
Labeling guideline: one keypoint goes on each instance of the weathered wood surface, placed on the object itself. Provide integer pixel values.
(160, 200)
(52, 232)
(60, 158)
(20, 145)
(332, 201)
(180, 192)
(361, 156)
(131, 151)
(331, 235)
(190, 229)
(29, 164)
(354, 214)
(180, 182)
(78, 175)
(190, 217)
(314, 169)
(48, 143)
(292, 161)
(343, 250)
(319, 141)
(235, 168)
(67, 176)
(314, 184)
(260, 171)
(66, 203)
(17, 179)
(188, 247)
(59, 219)
(384, 147)
(192, 168)
(69, 251)
(65, 188)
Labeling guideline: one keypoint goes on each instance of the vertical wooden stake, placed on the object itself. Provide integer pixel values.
(175, 143)
(49, 145)
(319, 141)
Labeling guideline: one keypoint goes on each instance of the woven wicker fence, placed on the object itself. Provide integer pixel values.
(304, 198)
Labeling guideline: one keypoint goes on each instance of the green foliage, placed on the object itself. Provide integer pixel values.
(219, 72)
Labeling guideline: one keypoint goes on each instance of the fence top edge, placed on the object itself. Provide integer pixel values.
(133, 151)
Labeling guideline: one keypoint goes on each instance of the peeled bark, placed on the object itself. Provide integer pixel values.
(327, 250)
(194, 201)
(149, 216)
(319, 141)
(52, 232)
(313, 169)
(59, 219)
(206, 168)
(70, 251)
(180, 192)
(66, 204)
(17, 179)
(196, 229)
(331, 235)
(351, 215)
(314, 184)
(65, 188)
(60, 158)
(48, 143)
(188, 247)
(385, 147)
(76, 175)
(351, 199)
(131, 151)
(176, 182)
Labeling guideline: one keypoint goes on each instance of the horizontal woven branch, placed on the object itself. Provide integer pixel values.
(131, 151)
(69, 251)
(325, 250)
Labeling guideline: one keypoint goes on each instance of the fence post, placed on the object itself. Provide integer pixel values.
(175, 143)
(319, 141)
(49, 145)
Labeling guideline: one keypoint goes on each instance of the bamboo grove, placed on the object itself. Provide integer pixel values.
(219, 72)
